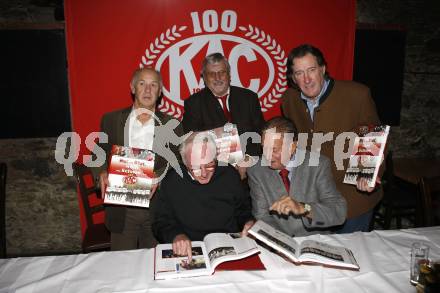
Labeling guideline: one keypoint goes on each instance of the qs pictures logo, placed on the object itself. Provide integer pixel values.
(257, 60)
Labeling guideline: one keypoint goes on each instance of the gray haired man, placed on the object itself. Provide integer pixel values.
(219, 103)
(287, 191)
(208, 198)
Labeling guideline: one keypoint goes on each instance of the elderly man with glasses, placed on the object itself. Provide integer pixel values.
(208, 198)
(219, 103)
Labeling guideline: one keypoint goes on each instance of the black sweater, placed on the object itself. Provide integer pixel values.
(185, 206)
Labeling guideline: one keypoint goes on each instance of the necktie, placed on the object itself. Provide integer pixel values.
(225, 107)
(284, 173)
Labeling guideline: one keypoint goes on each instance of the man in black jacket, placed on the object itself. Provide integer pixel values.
(207, 199)
(220, 102)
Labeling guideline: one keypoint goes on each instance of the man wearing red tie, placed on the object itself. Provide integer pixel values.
(288, 190)
(219, 103)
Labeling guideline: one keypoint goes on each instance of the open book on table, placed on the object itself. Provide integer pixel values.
(308, 251)
(216, 248)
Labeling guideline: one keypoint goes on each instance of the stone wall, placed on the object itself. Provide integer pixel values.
(42, 213)
(42, 207)
(29, 11)
(419, 132)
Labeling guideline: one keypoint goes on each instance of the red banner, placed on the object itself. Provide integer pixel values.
(108, 39)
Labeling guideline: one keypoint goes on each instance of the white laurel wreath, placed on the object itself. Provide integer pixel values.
(251, 32)
(271, 46)
(153, 51)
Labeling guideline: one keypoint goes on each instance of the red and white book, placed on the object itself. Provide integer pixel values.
(130, 176)
(217, 251)
(228, 144)
(366, 155)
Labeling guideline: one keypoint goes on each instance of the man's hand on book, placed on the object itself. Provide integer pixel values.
(246, 227)
(154, 186)
(153, 190)
(241, 171)
(286, 205)
(242, 166)
(362, 184)
(182, 246)
(103, 181)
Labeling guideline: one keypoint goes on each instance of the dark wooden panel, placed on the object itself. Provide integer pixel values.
(33, 84)
(379, 63)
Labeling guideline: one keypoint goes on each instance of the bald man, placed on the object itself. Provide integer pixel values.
(130, 227)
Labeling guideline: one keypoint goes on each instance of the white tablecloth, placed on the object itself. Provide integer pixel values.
(383, 257)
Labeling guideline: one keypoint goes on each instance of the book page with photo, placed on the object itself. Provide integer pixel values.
(130, 176)
(216, 248)
(168, 265)
(308, 251)
(224, 247)
(366, 155)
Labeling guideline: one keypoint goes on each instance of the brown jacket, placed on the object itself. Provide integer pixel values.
(345, 106)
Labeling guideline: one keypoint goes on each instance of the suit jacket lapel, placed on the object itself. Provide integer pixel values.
(157, 122)
(123, 136)
(233, 100)
(218, 115)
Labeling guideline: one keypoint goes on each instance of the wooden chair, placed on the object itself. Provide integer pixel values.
(3, 173)
(430, 200)
(96, 236)
(401, 200)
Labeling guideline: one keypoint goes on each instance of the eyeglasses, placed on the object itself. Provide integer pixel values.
(207, 167)
(214, 74)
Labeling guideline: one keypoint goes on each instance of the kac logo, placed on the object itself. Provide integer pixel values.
(257, 61)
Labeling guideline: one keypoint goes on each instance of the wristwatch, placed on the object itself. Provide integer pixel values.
(307, 208)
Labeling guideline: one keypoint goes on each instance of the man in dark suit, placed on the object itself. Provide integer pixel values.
(289, 191)
(219, 103)
(138, 126)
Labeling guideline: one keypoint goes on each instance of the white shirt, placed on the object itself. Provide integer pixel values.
(140, 135)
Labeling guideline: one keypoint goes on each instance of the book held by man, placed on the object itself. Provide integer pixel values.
(307, 251)
(367, 153)
(130, 176)
(207, 255)
(228, 144)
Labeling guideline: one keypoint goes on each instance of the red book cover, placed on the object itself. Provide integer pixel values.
(250, 263)
(130, 176)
